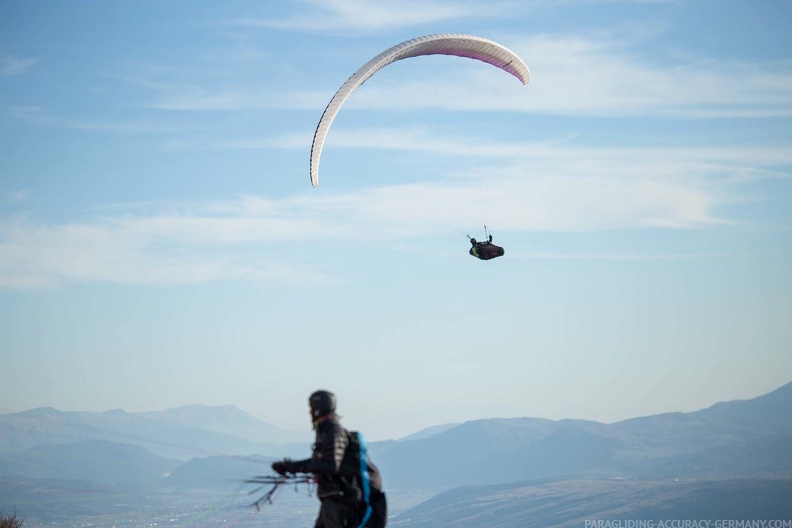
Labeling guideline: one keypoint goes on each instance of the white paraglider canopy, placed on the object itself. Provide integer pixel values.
(468, 46)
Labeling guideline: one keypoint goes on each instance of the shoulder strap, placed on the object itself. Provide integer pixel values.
(364, 478)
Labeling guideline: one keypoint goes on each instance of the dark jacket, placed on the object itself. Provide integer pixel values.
(325, 463)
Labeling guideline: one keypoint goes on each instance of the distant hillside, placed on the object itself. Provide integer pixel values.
(92, 460)
(225, 419)
(218, 472)
(739, 437)
(464, 454)
(214, 443)
(429, 431)
(177, 433)
(569, 504)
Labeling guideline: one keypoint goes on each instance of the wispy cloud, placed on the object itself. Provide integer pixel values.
(14, 196)
(551, 156)
(575, 75)
(34, 114)
(131, 251)
(39, 115)
(571, 75)
(533, 204)
(191, 98)
(343, 15)
(14, 65)
(563, 151)
(552, 189)
(362, 15)
(583, 76)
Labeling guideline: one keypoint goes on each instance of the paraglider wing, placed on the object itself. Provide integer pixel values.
(441, 44)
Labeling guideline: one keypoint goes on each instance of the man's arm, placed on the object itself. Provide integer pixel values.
(327, 457)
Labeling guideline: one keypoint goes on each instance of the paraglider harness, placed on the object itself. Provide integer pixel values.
(362, 481)
(485, 250)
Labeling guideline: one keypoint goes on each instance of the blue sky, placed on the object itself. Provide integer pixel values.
(161, 244)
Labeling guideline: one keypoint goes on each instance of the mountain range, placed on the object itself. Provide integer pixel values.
(483, 469)
(570, 503)
(181, 433)
(738, 437)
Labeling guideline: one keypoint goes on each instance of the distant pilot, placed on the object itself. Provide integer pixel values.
(485, 250)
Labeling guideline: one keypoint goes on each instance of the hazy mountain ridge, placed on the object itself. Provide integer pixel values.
(570, 503)
(180, 433)
(428, 431)
(765, 455)
(218, 472)
(574, 457)
(90, 460)
(720, 438)
(223, 419)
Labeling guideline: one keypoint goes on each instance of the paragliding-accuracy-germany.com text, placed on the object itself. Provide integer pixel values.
(688, 523)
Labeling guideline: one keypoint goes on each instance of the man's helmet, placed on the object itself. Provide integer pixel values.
(322, 403)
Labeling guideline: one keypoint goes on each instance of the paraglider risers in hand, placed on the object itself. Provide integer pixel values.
(276, 481)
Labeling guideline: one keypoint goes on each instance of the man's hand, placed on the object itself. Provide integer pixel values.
(285, 466)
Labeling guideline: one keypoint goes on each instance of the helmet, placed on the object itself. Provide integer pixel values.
(322, 403)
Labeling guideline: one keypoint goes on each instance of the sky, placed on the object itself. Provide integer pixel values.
(161, 244)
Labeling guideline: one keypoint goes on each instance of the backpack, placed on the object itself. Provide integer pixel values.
(364, 482)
